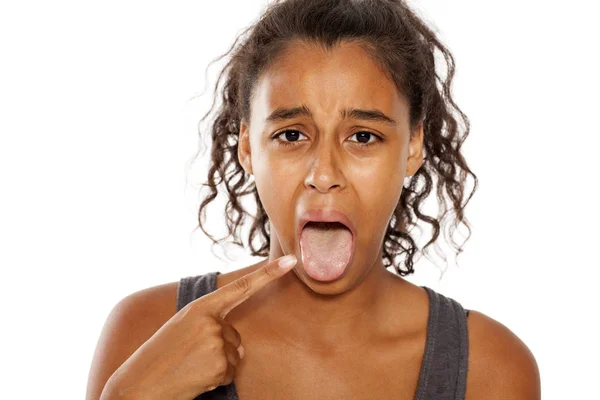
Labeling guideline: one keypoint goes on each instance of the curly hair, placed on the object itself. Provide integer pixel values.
(404, 46)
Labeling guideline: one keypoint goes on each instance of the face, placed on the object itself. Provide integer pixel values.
(321, 158)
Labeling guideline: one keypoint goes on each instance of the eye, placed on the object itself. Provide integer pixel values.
(289, 134)
(293, 135)
(367, 135)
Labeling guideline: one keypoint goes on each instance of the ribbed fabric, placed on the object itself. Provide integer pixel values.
(443, 373)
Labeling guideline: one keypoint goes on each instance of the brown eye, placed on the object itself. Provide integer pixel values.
(290, 134)
(366, 135)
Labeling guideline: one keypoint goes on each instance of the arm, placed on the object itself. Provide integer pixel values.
(129, 324)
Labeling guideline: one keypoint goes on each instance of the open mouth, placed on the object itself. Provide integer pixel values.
(327, 249)
(325, 225)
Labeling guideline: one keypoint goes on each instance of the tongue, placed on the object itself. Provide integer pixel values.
(326, 250)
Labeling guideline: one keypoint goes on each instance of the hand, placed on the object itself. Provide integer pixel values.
(196, 350)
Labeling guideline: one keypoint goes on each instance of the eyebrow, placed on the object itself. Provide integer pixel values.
(283, 114)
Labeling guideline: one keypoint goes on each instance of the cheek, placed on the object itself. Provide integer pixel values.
(275, 183)
(379, 192)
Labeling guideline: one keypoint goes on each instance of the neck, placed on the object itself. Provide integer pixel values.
(328, 315)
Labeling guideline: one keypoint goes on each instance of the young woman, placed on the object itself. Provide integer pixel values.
(329, 107)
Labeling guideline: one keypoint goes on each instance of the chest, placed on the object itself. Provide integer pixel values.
(377, 370)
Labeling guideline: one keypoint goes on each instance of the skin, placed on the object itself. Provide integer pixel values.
(325, 167)
(295, 331)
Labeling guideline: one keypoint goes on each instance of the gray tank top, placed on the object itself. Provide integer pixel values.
(443, 373)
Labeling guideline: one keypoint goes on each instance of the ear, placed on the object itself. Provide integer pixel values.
(415, 151)
(244, 154)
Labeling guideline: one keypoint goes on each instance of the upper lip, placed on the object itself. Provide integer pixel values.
(325, 215)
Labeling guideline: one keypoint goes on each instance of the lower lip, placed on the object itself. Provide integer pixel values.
(337, 274)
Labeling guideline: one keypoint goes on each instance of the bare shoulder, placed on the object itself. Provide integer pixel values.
(130, 323)
(501, 366)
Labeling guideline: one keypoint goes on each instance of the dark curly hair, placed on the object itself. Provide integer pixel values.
(397, 40)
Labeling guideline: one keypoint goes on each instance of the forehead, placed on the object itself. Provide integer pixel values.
(344, 76)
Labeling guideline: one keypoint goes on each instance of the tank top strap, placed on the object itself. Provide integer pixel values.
(191, 288)
(445, 361)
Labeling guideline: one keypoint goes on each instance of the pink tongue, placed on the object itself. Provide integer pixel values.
(326, 250)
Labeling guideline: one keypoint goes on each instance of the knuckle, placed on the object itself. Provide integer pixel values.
(211, 331)
(214, 324)
(242, 285)
(271, 271)
(221, 366)
(216, 345)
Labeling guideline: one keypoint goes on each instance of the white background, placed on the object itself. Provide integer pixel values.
(99, 109)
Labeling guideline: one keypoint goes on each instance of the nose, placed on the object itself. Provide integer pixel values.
(325, 169)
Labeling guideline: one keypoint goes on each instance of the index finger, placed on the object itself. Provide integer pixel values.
(226, 298)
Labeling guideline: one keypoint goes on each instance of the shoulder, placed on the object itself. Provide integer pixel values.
(151, 307)
(501, 366)
(130, 323)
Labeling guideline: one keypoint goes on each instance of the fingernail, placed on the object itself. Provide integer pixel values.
(288, 261)
(241, 351)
